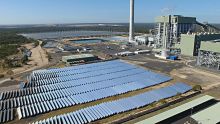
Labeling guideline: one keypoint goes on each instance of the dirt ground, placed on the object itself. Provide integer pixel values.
(37, 60)
(206, 79)
(215, 92)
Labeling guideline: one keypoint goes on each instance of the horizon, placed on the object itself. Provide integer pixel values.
(28, 12)
(79, 23)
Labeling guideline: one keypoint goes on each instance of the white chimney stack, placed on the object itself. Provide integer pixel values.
(131, 30)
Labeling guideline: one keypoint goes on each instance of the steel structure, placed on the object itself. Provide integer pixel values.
(209, 59)
(209, 54)
(169, 29)
(208, 27)
(173, 114)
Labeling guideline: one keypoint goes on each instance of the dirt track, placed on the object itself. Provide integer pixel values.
(37, 60)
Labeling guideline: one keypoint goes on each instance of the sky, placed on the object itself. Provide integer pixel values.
(103, 11)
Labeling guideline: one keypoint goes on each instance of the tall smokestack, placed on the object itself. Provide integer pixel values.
(131, 30)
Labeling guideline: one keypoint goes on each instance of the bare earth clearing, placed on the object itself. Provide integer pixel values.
(38, 59)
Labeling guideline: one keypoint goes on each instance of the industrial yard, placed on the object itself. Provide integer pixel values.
(179, 71)
(37, 105)
(112, 73)
(39, 108)
(24, 113)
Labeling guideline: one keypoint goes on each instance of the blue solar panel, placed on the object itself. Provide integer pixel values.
(77, 85)
(110, 108)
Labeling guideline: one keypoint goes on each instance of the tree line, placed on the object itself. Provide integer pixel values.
(10, 42)
(122, 27)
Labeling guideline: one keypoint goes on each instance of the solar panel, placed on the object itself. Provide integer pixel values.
(118, 106)
(58, 88)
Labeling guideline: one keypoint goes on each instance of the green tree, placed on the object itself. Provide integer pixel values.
(24, 59)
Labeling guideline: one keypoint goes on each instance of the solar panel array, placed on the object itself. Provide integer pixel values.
(106, 109)
(7, 115)
(58, 88)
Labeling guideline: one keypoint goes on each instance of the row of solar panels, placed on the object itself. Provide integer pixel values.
(83, 78)
(75, 72)
(15, 102)
(80, 98)
(54, 72)
(134, 75)
(106, 109)
(85, 75)
(79, 77)
(86, 66)
(92, 65)
(48, 95)
(7, 115)
(94, 77)
(66, 93)
(59, 86)
(81, 71)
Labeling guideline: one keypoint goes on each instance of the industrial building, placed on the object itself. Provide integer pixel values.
(70, 48)
(144, 39)
(206, 46)
(79, 58)
(191, 43)
(180, 34)
(209, 115)
(209, 55)
(181, 114)
(169, 28)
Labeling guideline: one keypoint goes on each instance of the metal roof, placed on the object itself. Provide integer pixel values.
(175, 111)
(79, 56)
(213, 46)
(209, 115)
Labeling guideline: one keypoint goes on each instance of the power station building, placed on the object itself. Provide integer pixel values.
(188, 37)
(190, 44)
(205, 46)
(209, 55)
(179, 32)
(169, 28)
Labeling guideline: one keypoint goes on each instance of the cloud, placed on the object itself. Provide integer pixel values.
(167, 10)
